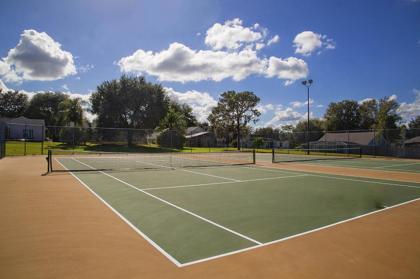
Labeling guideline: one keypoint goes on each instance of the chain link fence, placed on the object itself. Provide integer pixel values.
(25, 139)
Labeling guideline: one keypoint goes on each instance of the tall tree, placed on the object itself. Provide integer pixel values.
(388, 119)
(187, 113)
(368, 111)
(48, 106)
(129, 102)
(12, 104)
(237, 109)
(414, 127)
(73, 111)
(344, 115)
(174, 120)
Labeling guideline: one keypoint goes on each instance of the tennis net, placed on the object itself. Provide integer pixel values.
(62, 160)
(298, 155)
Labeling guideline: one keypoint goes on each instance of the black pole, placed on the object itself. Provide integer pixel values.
(307, 129)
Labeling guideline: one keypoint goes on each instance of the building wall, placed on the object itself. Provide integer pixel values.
(25, 132)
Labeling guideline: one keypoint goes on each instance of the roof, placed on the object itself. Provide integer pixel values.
(23, 120)
(196, 135)
(362, 138)
(194, 130)
(413, 140)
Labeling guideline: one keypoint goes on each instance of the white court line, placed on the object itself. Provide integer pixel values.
(349, 179)
(240, 250)
(396, 165)
(154, 244)
(196, 172)
(297, 235)
(224, 182)
(173, 205)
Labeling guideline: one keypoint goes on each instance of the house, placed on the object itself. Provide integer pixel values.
(198, 137)
(413, 142)
(351, 138)
(23, 128)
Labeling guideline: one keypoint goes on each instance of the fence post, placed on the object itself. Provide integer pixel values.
(24, 140)
(42, 140)
(374, 142)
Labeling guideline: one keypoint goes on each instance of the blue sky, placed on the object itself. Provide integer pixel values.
(198, 49)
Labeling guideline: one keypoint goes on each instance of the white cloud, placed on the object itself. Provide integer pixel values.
(200, 102)
(409, 111)
(7, 73)
(65, 87)
(182, 64)
(298, 104)
(3, 86)
(273, 40)
(38, 57)
(85, 68)
(234, 55)
(232, 35)
(265, 108)
(307, 42)
(392, 97)
(365, 100)
(289, 69)
(284, 116)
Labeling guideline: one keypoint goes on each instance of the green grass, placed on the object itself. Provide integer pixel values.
(20, 148)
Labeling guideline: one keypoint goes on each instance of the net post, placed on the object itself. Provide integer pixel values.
(49, 167)
(253, 156)
(272, 155)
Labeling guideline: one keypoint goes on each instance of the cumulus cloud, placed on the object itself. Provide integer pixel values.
(182, 64)
(200, 102)
(392, 97)
(232, 35)
(289, 69)
(409, 111)
(273, 40)
(284, 116)
(3, 86)
(37, 57)
(298, 104)
(307, 42)
(265, 108)
(233, 54)
(85, 68)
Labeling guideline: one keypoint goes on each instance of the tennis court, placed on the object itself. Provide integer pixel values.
(194, 208)
(352, 160)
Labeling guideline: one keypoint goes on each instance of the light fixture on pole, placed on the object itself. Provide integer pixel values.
(308, 84)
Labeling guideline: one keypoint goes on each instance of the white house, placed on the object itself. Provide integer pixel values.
(23, 128)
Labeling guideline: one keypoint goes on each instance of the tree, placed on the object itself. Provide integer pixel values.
(186, 111)
(73, 111)
(388, 119)
(48, 106)
(12, 104)
(267, 133)
(344, 115)
(414, 127)
(235, 109)
(368, 111)
(129, 102)
(174, 120)
(316, 128)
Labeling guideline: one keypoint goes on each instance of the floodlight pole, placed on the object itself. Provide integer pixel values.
(307, 84)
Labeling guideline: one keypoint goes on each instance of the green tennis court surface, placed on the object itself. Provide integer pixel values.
(195, 214)
(343, 161)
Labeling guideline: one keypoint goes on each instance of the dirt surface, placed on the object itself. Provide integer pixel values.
(52, 227)
(356, 172)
